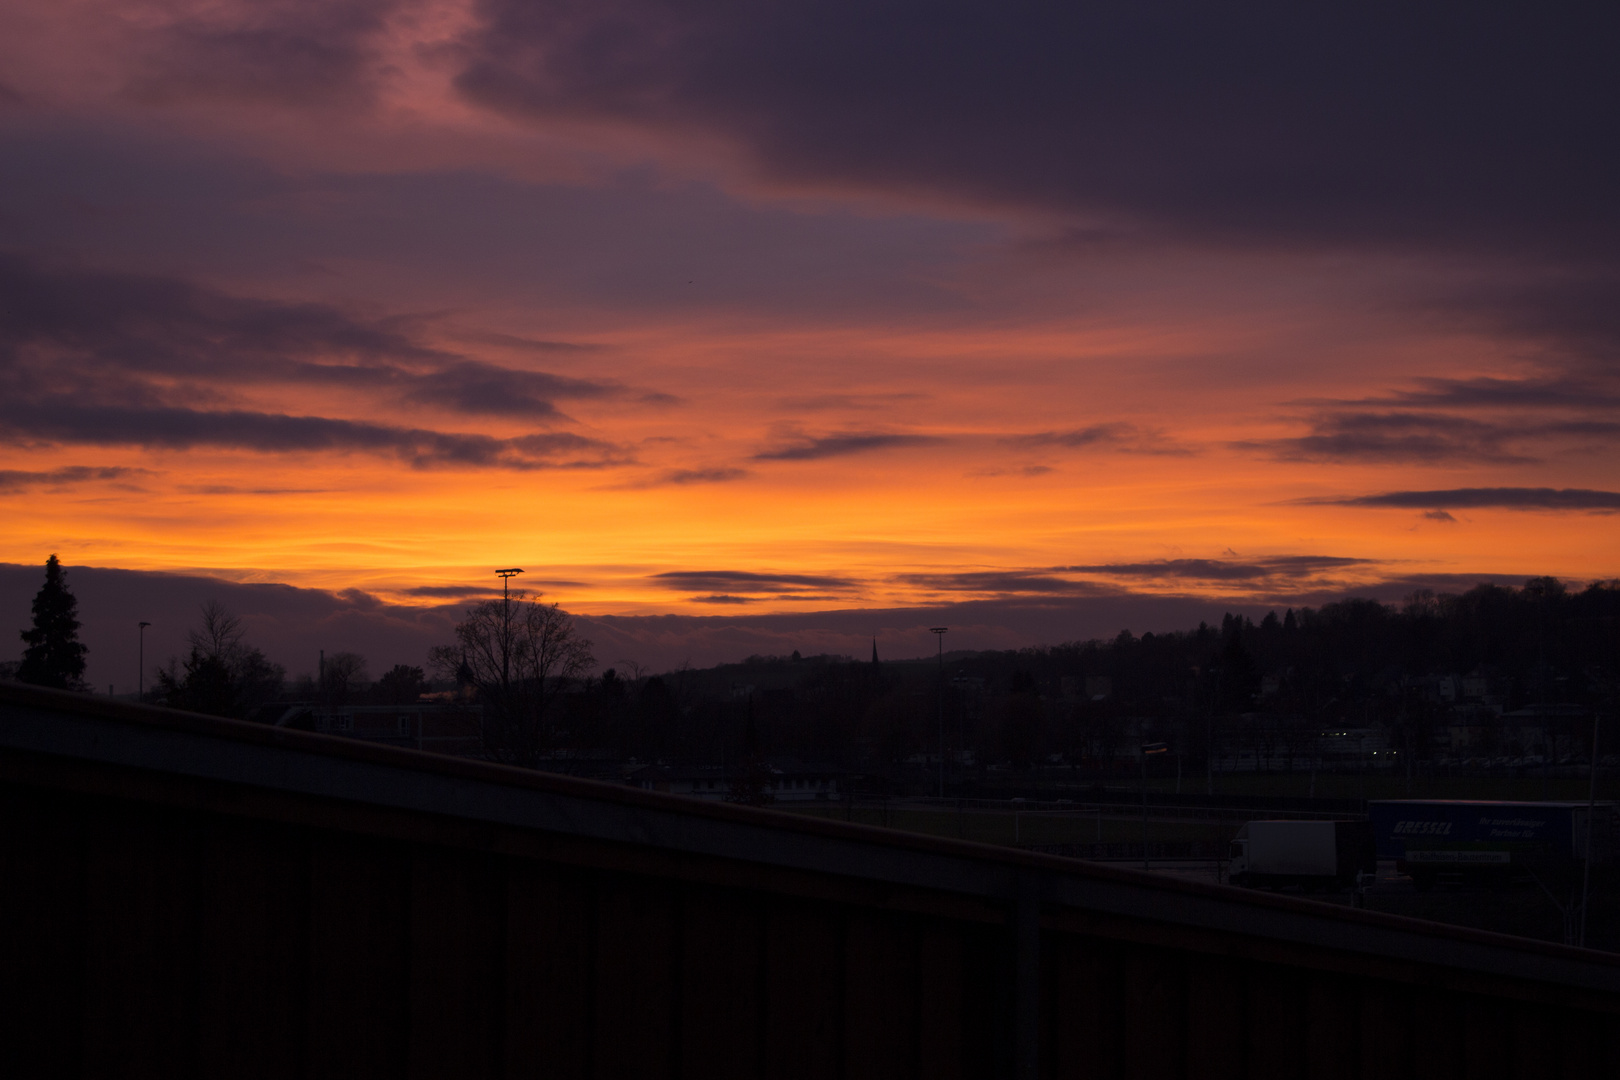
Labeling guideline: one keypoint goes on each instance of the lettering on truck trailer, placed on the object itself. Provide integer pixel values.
(1423, 828)
(1458, 857)
(1511, 828)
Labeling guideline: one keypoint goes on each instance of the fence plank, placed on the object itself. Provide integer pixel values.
(359, 948)
(252, 951)
(140, 946)
(1155, 1014)
(550, 929)
(637, 983)
(1090, 988)
(1437, 1022)
(1386, 1032)
(458, 1003)
(880, 997)
(1487, 1040)
(1215, 1019)
(1535, 1044)
(722, 976)
(943, 1023)
(804, 988)
(42, 897)
(1275, 1048)
(1332, 1025)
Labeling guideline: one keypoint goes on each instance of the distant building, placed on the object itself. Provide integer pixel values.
(786, 782)
(1349, 744)
(439, 727)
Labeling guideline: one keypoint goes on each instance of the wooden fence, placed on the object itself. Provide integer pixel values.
(183, 896)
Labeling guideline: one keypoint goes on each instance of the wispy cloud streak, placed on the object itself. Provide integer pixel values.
(1497, 498)
(843, 445)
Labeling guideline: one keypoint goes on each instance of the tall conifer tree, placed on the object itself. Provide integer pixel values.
(55, 656)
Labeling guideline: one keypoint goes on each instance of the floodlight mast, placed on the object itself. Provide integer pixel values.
(506, 624)
(506, 576)
(939, 632)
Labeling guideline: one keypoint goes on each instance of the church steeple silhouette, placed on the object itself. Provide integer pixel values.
(874, 652)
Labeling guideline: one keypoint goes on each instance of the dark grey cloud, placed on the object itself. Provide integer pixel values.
(1110, 436)
(1402, 438)
(451, 592)
(1452, 132)
(236, 489)
(1569, 309)
(538, 345)
(125, 337)
(1475, 129)
(288, 52)
(1005, 582)
(741, 581)
(814, 448)
(150, 324)
(685, 478)
(1250, 570)
(12, 480)
(703, 476)
(1500, 498)
(61, 419)
(1564, 391)
(845, 402)
(1078, 438)
(479, 388)
(581, 451)
(1428, 437)
(98, 358)
(1022, 470)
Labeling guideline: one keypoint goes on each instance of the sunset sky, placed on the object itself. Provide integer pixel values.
(740, 309)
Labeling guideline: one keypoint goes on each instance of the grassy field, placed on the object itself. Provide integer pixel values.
(1379, 786)
(989, 827)
(1522, 910)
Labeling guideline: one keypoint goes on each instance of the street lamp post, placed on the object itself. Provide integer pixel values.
(1148, 748)
(939, 632)
(140, 663)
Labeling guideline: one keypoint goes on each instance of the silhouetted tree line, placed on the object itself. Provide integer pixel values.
(1272, 685)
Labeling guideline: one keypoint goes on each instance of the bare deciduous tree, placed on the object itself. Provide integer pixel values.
(220, 635)
(223, 674)
(341, 674)
(518, 653)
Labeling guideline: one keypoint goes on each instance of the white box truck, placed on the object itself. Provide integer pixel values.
(1310, 854)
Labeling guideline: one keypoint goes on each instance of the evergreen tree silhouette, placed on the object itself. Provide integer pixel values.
(55, 656)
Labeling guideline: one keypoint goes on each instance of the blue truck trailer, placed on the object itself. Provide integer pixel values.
(1467, 841)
